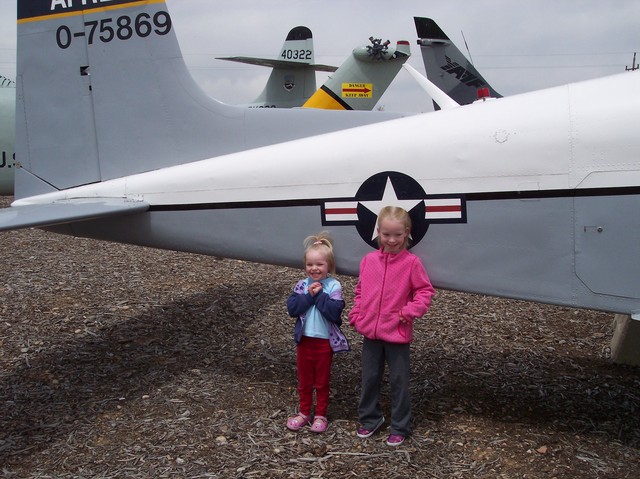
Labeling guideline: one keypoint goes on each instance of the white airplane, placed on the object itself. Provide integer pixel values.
(532, 196)
(7, 134)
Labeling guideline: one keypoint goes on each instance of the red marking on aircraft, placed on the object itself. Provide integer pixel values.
(356, 90)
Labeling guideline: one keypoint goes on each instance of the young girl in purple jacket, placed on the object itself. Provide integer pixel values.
(392, 291)
(316, 302)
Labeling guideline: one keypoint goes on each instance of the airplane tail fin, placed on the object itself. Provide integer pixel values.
(362, 79)
(293, 78)
(104, 110)
(446, 66)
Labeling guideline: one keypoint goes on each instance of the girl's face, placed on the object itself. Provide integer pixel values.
(393, 235)
(316, 265)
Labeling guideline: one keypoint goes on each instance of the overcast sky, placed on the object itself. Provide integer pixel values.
(518, 46)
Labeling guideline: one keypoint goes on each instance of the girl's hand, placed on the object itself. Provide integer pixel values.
(315, 288)
(403, 320)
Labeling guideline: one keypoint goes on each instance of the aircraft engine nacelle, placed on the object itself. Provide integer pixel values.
(381, 52)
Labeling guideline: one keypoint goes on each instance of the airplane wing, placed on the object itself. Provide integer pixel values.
(67, 211)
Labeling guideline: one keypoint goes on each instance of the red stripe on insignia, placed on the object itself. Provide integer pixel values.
(442, 209)
(340, 211)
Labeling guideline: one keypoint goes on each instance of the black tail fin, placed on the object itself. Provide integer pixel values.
(446, 66)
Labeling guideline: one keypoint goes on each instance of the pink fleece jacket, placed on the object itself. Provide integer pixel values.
(390, 285)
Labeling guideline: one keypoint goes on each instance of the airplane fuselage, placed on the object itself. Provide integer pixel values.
(532, 190)
(533, 196)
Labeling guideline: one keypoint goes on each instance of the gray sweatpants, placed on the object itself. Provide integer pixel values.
(375, 354)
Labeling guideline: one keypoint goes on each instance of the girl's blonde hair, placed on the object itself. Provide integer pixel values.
(321, 242)
(395, 213)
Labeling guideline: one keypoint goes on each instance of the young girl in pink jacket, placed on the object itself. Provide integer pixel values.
(392, 291)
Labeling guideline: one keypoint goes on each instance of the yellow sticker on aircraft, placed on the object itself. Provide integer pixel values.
(357, 90)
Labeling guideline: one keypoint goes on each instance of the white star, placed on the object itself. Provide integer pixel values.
(389, 198)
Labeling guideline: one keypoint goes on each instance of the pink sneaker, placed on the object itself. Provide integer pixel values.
(364, 433)
(320, 424)
(395, 440)
(296, 423)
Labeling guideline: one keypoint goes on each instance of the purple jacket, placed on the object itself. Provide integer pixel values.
(329, 304)
(390, 285)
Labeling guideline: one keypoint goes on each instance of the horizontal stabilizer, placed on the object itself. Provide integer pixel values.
(275, 63)
(67, 211)
(441, 98)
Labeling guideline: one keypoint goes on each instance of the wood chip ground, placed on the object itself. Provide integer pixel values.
(126, 362)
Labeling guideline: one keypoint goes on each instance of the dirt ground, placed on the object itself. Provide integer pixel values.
(121, 361)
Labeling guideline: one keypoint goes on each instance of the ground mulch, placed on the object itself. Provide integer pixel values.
(129, 362)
